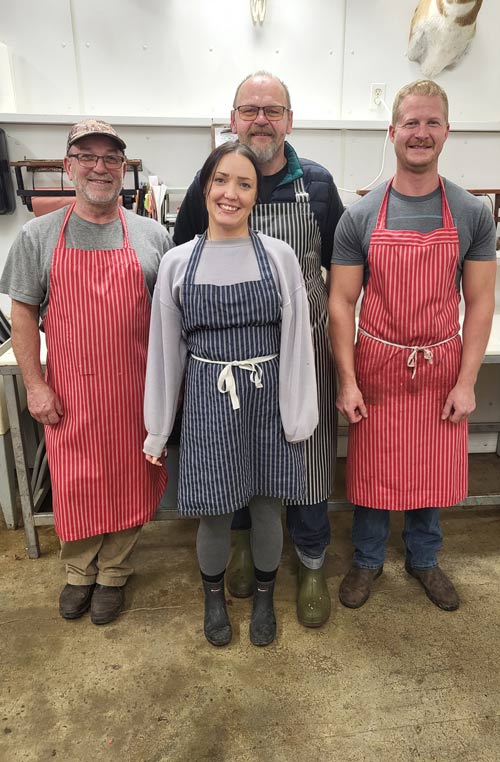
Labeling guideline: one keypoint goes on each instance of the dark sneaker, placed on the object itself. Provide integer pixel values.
(437, 586)
(355, 588)
(107, 602)
(74, 600)
(313, 597)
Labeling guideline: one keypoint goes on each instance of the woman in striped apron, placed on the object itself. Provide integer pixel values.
(230, 316)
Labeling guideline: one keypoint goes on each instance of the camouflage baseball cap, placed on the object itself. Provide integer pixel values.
(93, 127)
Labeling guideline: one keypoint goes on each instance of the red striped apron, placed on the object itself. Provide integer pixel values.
(97, 327)
(403, 456)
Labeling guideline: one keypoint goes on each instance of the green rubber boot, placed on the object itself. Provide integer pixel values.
(240, 572)
(313, 597)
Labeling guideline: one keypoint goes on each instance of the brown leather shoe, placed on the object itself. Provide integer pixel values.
(74, 600)
(355, 587)
(107, 602)
(437, 586)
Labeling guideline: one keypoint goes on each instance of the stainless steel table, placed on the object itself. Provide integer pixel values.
(33, 489)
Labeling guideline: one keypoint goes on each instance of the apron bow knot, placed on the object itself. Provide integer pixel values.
(412, 357)
(226, 383)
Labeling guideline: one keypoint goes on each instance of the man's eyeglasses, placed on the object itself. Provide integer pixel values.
(89, 160)
(272, 113)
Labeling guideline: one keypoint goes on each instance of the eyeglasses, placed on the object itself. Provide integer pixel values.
(90, 160)
(272, 113)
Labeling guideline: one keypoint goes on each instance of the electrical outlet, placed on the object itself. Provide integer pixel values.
(377, 95)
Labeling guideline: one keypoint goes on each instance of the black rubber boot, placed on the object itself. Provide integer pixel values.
(263, 621)
(217, 627)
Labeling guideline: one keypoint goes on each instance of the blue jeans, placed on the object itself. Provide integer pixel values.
(422, 536)
(308, 526)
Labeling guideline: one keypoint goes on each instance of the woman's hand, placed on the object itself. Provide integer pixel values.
(153, 460)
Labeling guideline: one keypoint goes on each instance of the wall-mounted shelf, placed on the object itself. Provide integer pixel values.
(208, 121)
(56, 165)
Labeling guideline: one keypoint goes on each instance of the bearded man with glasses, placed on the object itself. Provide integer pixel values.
(299, 204)
(88, 272)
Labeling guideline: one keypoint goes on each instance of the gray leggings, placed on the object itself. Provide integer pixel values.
(213, 541)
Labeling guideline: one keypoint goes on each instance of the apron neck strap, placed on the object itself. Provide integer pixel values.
(262, 260)
(301, 195)
(61, 241)
(382, 212)
(193, 260)
(260, 253)
(445, 209)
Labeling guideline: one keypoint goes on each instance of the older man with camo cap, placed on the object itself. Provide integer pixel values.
(87, 272)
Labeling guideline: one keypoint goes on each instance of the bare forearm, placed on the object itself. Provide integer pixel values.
(344, 294)
(475, 334)
(43, 403)
(478, 284)
(342, 328)
(26, 343)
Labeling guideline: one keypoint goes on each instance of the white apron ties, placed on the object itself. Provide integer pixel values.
(226, 383)
(414, 350)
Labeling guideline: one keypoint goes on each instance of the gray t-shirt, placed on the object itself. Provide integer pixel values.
(26, 276)
(472, 218)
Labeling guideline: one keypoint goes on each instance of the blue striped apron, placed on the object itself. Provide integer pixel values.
(295, 224)
(232, 444)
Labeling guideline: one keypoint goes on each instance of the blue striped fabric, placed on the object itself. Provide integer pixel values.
(228, 456)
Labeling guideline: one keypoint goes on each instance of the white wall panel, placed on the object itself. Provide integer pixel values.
(376, 39)
(40, 39)
(161, 58)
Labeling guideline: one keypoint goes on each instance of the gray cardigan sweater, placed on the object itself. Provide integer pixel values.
(225, 263)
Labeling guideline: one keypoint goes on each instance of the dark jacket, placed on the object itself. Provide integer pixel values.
(323, 197)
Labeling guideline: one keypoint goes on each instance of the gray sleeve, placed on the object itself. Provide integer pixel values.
(165, 366)
(348, 245)
(298, 396)
(26, 272)
(483, 246)
(150, 241)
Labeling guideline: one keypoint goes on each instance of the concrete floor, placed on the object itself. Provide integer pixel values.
(396, 681)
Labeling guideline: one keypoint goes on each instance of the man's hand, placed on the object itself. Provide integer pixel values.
(460, 403)
(44, 404)
(351, 404)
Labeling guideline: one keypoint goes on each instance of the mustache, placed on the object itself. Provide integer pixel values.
(262, 131)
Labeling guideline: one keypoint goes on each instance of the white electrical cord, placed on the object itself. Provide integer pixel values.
(369, 185)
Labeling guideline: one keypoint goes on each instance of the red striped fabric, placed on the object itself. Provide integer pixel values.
(403, 456)
(97, 327)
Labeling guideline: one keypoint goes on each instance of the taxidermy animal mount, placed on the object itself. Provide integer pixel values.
(441, 32)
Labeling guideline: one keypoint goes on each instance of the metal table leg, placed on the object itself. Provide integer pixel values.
(23, 478)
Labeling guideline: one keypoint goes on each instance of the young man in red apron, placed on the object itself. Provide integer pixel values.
(407, 385)
(91, 272)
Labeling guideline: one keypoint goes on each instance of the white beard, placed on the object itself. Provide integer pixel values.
(264, 154)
